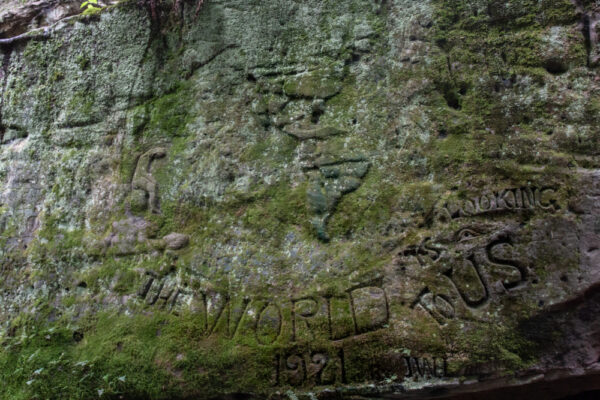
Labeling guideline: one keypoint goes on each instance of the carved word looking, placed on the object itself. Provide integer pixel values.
(357, 311)
(506, 199)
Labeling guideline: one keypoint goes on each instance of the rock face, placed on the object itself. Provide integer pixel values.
(300, 199)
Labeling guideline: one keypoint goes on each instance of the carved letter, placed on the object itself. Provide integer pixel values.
(302, 311)
(511, 272)
(268, 325)
(370, 308)
(543, 198)
(341, 321)
(438, 306)
(519, 198)
(485, 204)
(468, 282)
(528, 198)
(469, 208)
(509, 199)
(222, 316)
(439, 367)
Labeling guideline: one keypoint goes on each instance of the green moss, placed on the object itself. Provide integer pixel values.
(159, 356)
(83, 61)
(316, 84)
(456, 151)
(82, 104)
(146, 352)
(368, 208)
(504, 348)
(271, 150)
(169, 114)
(494, 56)
(276, 208)
(56, 244)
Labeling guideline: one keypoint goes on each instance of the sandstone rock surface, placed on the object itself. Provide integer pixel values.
(292, 199)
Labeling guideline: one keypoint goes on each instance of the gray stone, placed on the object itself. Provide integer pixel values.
(176, 241)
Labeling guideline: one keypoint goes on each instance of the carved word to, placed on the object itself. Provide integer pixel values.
(506, 199)
(438, 306)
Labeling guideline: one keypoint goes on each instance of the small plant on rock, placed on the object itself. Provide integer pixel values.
(90, 7)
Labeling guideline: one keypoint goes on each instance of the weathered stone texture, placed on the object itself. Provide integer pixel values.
(299, 199)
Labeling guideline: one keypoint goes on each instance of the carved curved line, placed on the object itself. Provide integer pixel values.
(472, 304)
(322, 363)
(503, 262)
(262, 310)
(447, 300)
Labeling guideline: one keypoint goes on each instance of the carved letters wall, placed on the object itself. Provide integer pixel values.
(464, 272)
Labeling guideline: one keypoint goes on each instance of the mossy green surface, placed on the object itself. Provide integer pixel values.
(421, 107)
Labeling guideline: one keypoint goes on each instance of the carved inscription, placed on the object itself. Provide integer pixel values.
(424, 249)
(469, 273)
(466, 277)
(360, 310)
(346, 365)
(357, 311)
(438, 306)
(161, 293)
(425, 368)
(309, 368)
(332, 165)
(526, 198)
(144, 181)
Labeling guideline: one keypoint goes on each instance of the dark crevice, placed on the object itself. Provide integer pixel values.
(452, 99)
(555, 66)
(585, 30)
(587, 25)
(353, 59)
(316, 115)
(79, 124)
(449, 65)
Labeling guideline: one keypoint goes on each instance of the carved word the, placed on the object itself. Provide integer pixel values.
(309, 368)
(159, 293)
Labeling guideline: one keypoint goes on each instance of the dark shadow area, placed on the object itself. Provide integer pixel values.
(575, 388)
